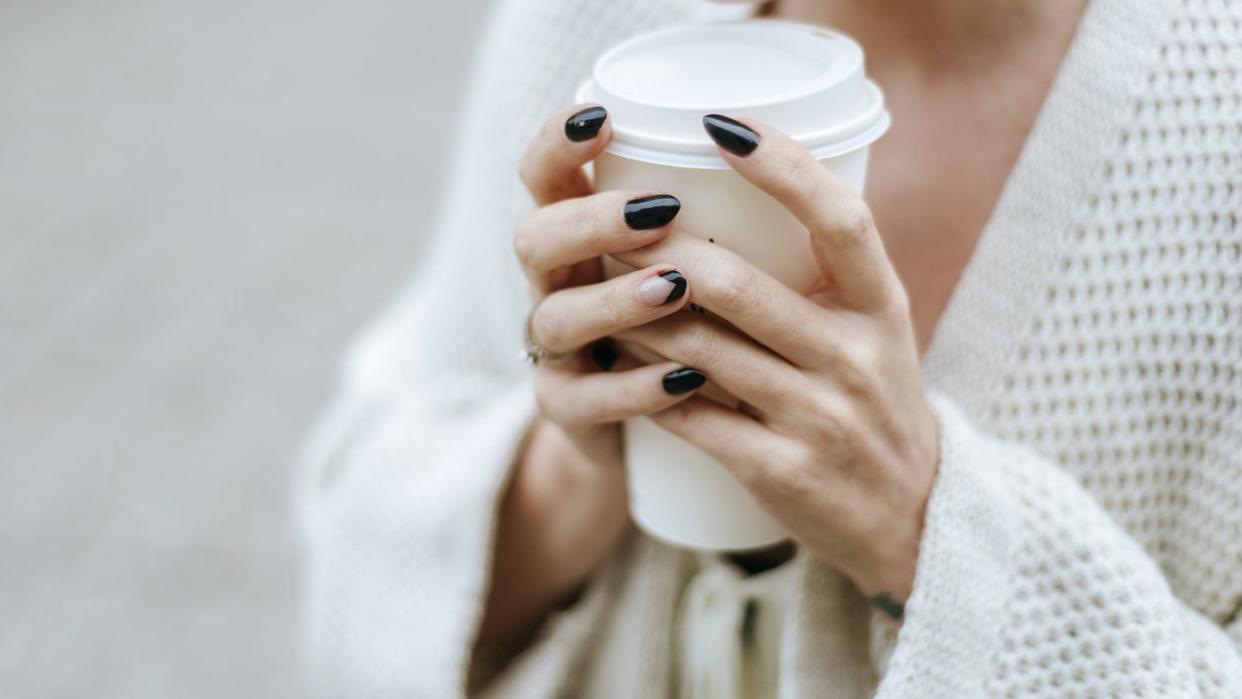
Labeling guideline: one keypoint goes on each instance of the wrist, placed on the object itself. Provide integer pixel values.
(886, 576)
(549, 536)
(886, 594)
(556, 478)
(567, 509)
(887, 583)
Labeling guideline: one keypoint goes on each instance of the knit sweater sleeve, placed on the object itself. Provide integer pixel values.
(1025, 586)
(400, 482)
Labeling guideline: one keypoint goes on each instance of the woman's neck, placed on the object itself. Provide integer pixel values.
(964, 81)
(939, 36)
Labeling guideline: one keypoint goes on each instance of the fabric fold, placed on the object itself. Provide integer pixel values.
(1025, 583)
(954, 615)
(396, 481)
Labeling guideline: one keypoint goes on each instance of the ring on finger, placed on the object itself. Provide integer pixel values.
(535, 353)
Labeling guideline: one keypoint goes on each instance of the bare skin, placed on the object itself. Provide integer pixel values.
(964, 81)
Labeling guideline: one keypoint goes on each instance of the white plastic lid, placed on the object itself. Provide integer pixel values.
(806, 80)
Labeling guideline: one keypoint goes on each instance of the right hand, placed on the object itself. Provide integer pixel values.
(565, 507)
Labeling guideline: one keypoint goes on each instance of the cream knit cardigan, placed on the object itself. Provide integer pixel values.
(1084, 535)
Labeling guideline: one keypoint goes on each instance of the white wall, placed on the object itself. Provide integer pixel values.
(199, 202)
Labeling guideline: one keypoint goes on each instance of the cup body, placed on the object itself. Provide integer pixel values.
(678, 493)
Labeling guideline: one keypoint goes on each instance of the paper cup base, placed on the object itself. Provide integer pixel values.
(681, 496)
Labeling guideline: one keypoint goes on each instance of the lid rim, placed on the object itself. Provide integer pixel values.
(830, 111)
(823, 139)
(713, 161)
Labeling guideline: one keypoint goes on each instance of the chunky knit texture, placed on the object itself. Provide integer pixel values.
(1084, 535)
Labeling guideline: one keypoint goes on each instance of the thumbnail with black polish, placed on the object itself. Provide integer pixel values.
(583, 125)
(651, 212)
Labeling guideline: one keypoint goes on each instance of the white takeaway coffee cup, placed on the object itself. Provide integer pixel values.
(808, 82)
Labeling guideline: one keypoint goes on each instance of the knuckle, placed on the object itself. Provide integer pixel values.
(734, 286)
(702, 343)
(830, 419)
(787, 477)
(803, 177)
(546, 394)
(856, 372)
(787, 483)
(549, 329)
(554, 403)
(898, 303)
(618, 306)
(854, 223)
(524, 243)
(528, 169)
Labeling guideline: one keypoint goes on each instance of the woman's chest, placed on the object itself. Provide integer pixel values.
(932, 183)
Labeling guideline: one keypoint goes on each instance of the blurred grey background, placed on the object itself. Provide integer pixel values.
(199, 203)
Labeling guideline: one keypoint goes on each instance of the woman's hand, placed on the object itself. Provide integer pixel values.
(564, 506)
(834, 435)
(559, 247)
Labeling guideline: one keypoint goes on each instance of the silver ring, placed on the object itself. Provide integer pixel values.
(534, 353)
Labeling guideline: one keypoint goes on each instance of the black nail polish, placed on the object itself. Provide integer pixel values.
(679, 285)
(651, 212)
(731, 134)
(604, 355)
(683, 380)
(585, 124)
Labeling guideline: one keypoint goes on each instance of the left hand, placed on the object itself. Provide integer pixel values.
(835, 436)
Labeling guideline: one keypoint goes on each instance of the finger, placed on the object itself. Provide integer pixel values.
(551, 167)
(734, 439)
(582, 228)
(576, 400)
(568, 319)
(736, 363)
(847, 245)
(776, 316)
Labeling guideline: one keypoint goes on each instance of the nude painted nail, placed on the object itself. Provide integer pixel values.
(662, 289)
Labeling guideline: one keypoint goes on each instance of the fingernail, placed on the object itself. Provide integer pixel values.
(731, 134)
(651, 212)
(604, 355)
(683, 380)
(663, 288)
(585, 124)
